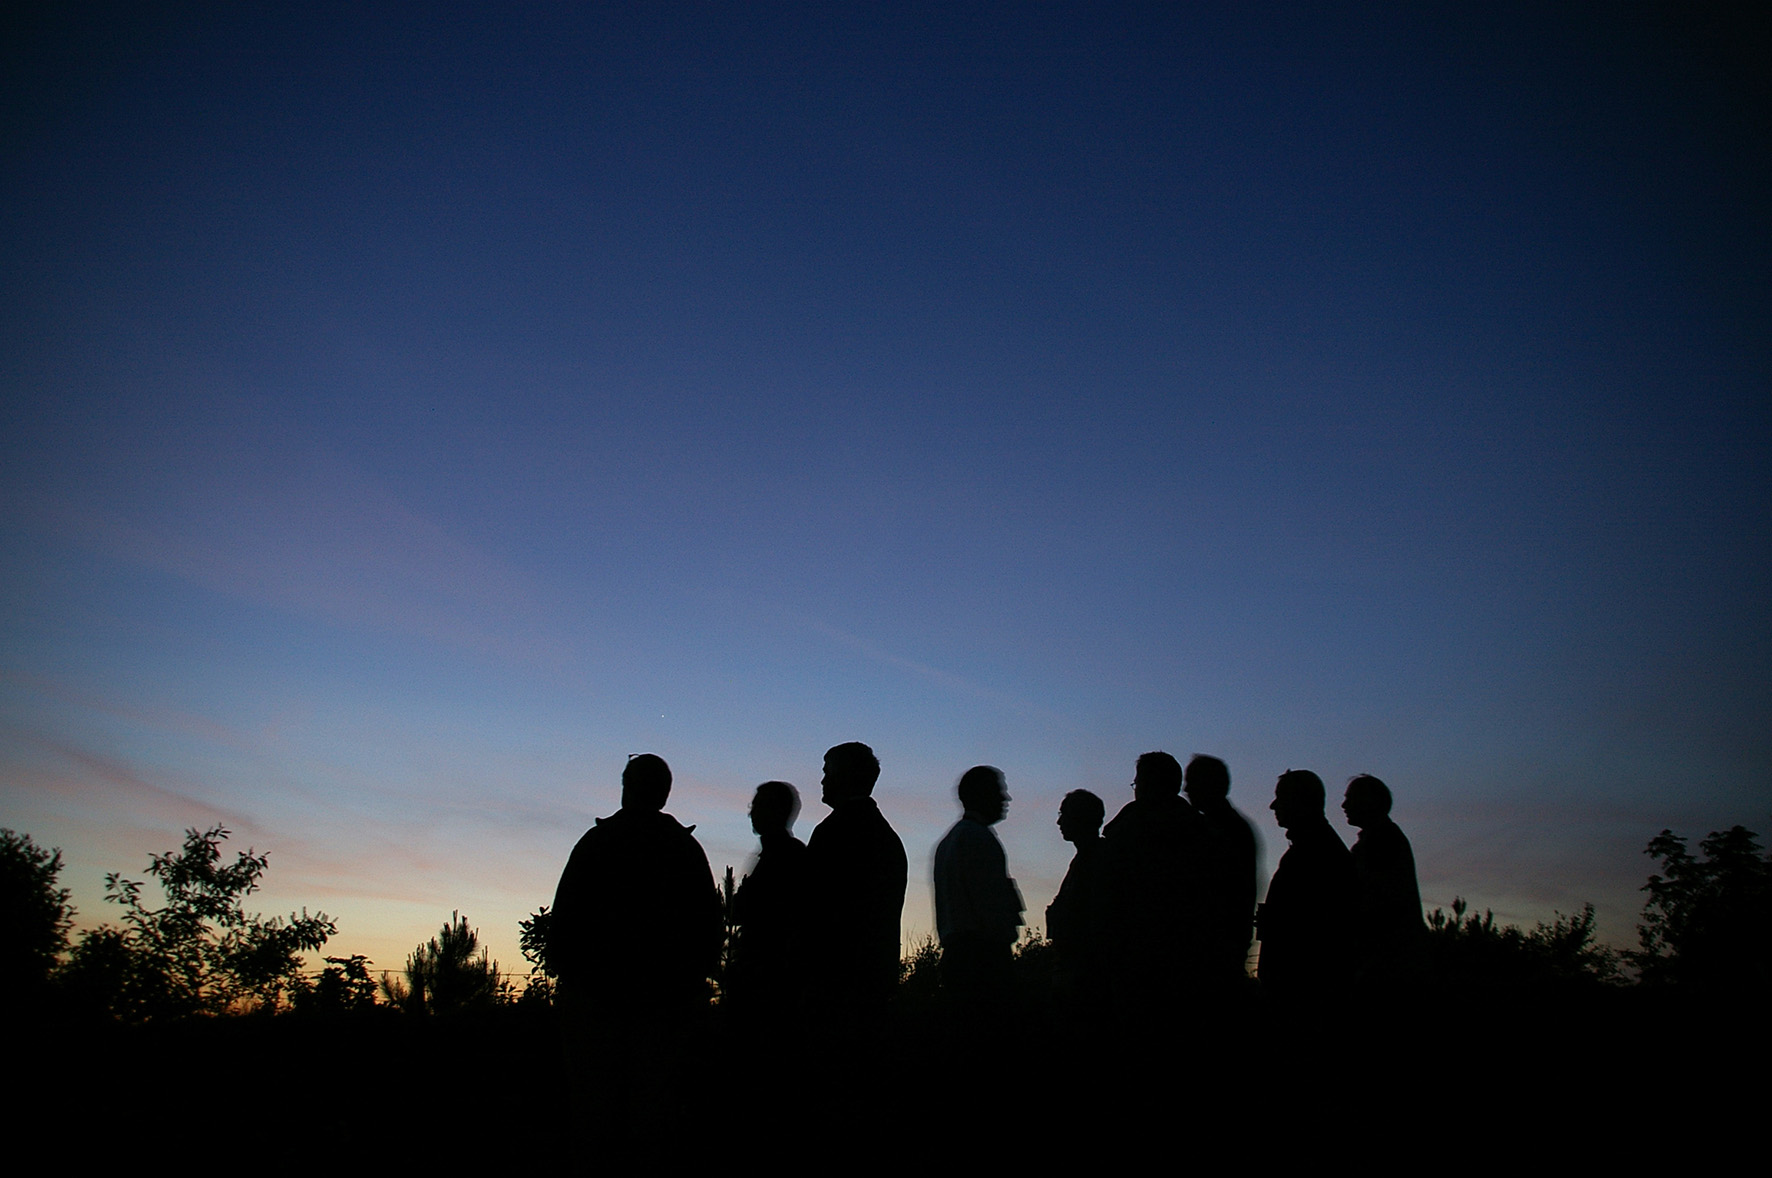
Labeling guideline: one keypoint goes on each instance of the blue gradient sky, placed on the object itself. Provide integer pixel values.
(408, 415)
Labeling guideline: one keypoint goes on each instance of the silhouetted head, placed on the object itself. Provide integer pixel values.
(850, 771)
(1368, 800)
(645, 783)
(1158, 777)
(984, 795)
(1298, 798)
(1080, 816)
(1208, 780)
(774, 807)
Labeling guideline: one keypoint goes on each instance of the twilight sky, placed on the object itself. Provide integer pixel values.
(407, 414)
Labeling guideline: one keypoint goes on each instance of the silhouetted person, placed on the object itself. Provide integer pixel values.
(977, 905)
(1078, 919)
(857, 864)
(1388, 924)
(1306, 921)
(1152, 846)
(636, 919)
(636, 933)
(1227, 864)
(767, 972)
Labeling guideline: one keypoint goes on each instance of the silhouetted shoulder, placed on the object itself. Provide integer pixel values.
(637, 913)
(1077, 918)
(974, 896)
(857, 835)
(858, 872)
(775, 885)
(1389, 894)
(1227, 869)
(1305, 921)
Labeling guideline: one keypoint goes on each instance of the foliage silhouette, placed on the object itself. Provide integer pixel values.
(1708, 919)
(34, 914)
(1035, 959)
(538, 991)
(728, 928)
(532, 940)
(444, 976)
(1470, 948)
(200, 952)
(919, 972)
(344, 985)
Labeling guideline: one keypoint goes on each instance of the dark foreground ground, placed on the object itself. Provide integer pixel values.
(1596, 1077)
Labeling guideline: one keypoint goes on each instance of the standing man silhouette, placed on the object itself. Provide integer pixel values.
(1153, 858)
(1388, 927)
(1228, 854)
(977, 906)
(635, 934)
(858, 871)
(1078, 918)
(1305, 922)
(636, 920)
(767, 974)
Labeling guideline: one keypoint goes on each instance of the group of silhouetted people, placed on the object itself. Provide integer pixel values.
(1332, 914)
(1158, 902)
(637, 926)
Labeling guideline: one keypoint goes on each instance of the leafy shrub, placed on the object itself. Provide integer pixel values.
(444, 976)
(344, 985)
(1472, 948)
(199, 952)
(919, 974)
(1708, 919)
(34, 914)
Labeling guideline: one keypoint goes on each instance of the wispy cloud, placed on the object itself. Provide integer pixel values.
(947, 679)
(324, 538)
(159, 719)
(101, 784)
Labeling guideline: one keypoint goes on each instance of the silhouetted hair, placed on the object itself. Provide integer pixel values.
(856, 760)
(1209, 776)
(1369, 785)
(1303, 785)
(1160, 771)
(645, 783)
(981, 787)
(1084, 805)
(775, 805)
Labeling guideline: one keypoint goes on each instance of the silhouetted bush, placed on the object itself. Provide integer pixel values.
(199, 952)
(1708, 920)
(728, 929)
(443, 976)
(919, 972)
(1467, 948)
(344, 985)
(532, 940)
(1034, 961)
(34, 915)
